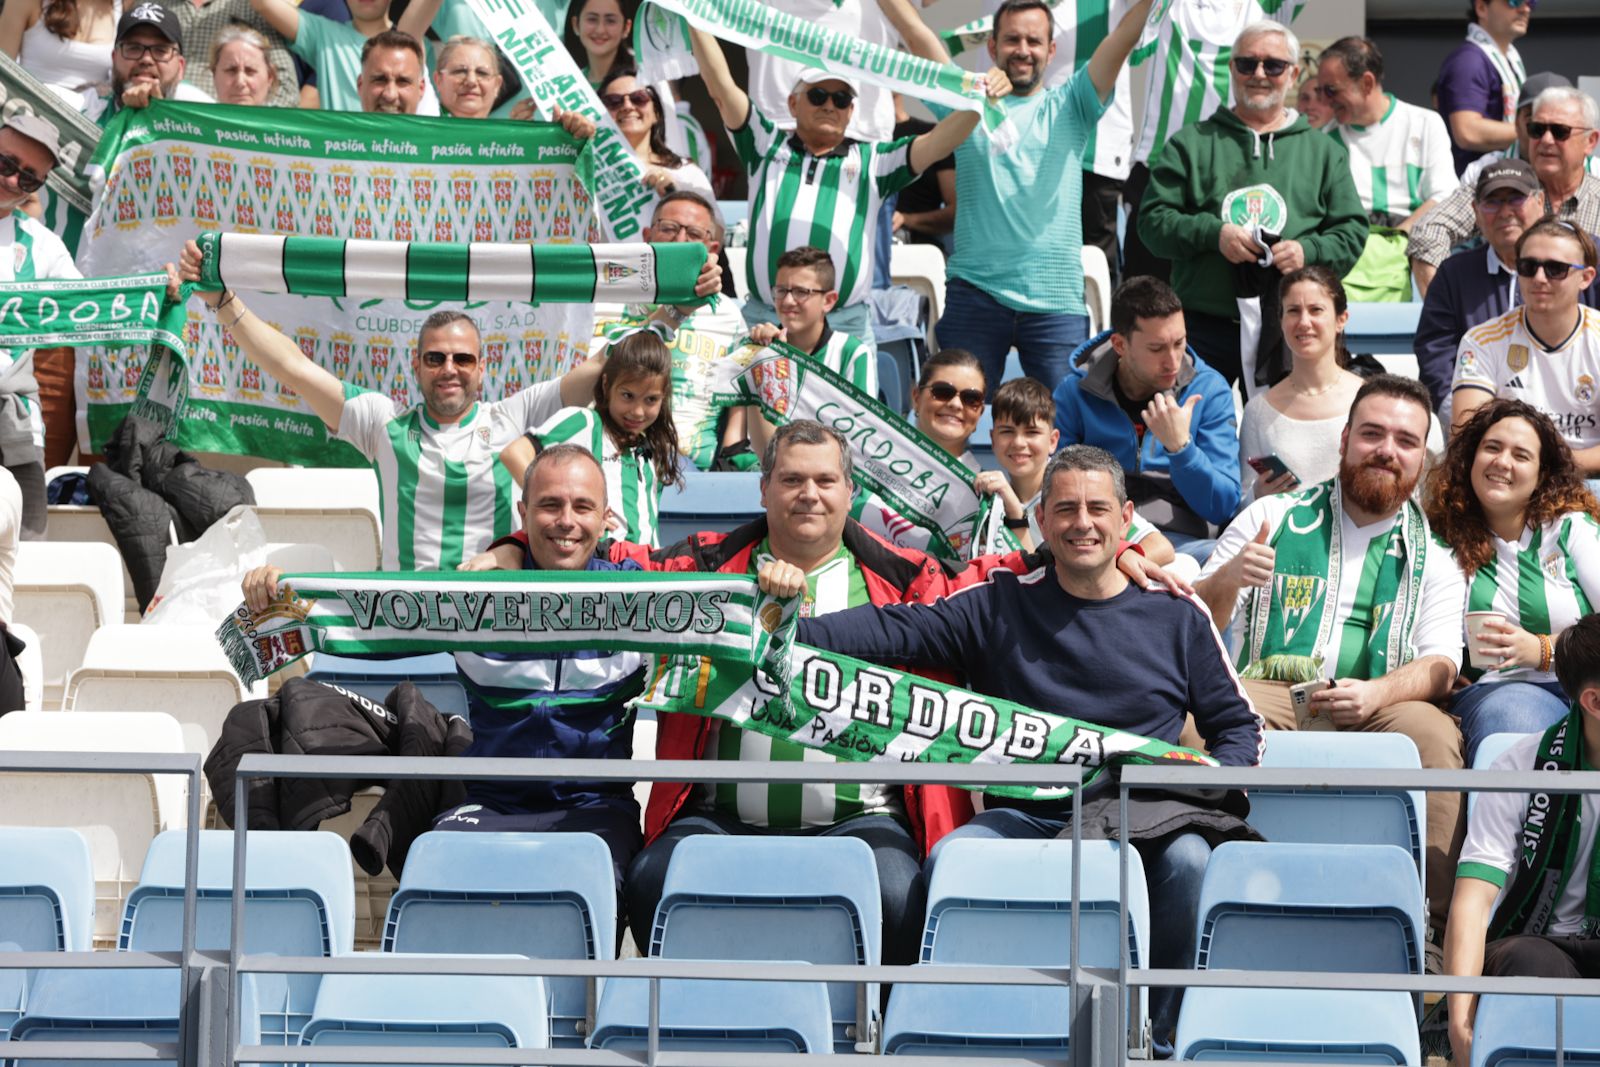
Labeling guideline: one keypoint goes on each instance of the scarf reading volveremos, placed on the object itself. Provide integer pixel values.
(848, 709)
(69, 197)
(1295, 614)
(767, 28)
(918, 479)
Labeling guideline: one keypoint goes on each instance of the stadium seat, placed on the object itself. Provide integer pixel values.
(544, 896)
(1292, 907)
(334, 506)
(1386, 331)
(775, 898)
(716, 1016)
(1513, 1031)
(1490, 749)
(31, 665)
(893, 389)
(429, 1011)
(1096, 290)
(46, 902)
(372, 890)
(921, 267)
(65, 592)
(83, 522)
(1009, 903)
(100, 1005)
(299, 901)
(434, 675)
(709, 501)
(118, 814)
(1298, 1026)
(981, 443)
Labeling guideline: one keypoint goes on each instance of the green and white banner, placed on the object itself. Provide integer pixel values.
(91, 311)
(910, 473)
(661, 47)
(173, 171)
(524, 34)
(752, 24)
(67, 195)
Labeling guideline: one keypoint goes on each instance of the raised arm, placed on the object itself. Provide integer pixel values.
(732, 103)
(920, 39)
(419, 15)
(1113, 52)
(281, 15)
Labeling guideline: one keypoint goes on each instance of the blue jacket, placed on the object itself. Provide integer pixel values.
(1175, 491)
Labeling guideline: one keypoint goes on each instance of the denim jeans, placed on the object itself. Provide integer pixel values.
(1174, 867)
(1197, 548)
(1486, 708)
(979, 323)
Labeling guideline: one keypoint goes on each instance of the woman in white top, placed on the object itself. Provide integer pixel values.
(64, 43)
(1299, 419)
(1511, 503)
(467, 79)
(636, 109)
(240, 67)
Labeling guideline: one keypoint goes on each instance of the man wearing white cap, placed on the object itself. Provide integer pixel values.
(29, 251)
(807, 188)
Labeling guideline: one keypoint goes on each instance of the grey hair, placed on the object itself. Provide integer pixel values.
(1262, 27)
(460, 40)
(234, 32)
(1567, 94)
(690, 196)
(1085, 458)
(439, 320)
(807, 432)
(566, 452)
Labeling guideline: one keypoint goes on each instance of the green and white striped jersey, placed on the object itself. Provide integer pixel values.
(829, 201)
(632, 492)
(1400, 162)
(1185, 51)
(851, 359)
(444, 495)
(1543, 582)
(834, 586)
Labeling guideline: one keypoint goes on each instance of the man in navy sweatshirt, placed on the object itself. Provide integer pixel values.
(1077, 638)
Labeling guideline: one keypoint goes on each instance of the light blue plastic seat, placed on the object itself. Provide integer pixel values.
(709, 500)
(46, 902)
(299, 901)
(108, 1005)
(1009, 903)
(429, 1011)
(543, 896)
(1298, 1026)
(891, 387)
(1383, 329)
(775, 898)
(716, 1016)
(981, 443)
(1514, 1031)
(1490, 749)
(434, 675)
(1292, 907)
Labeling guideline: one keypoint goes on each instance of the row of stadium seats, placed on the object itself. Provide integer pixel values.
(549, 896)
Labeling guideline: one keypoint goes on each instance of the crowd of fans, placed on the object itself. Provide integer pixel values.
(1337, 533)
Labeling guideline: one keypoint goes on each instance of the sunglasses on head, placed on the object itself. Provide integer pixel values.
(1559, 131)
(1246, 65)
(1554, 269)
(464, 360)
(27, 181)
(638, 98)
(944, 392)
(842, 98)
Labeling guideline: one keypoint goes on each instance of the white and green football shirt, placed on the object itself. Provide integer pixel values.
(1545, 581)
(830, 202)
(444, 495)
(1399, 162)
(851, 359)
(632, 492)
(1185, 51)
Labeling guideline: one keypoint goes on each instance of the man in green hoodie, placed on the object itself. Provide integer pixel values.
(1254, 186)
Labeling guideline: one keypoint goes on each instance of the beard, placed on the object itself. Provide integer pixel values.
(1377, 488)
(1024, 84)
(1266, 105)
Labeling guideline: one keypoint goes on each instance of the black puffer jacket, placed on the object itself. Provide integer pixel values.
(146, 486)
(313, 718)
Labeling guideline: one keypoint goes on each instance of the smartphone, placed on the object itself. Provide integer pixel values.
(1270, 467)
(1307, 717)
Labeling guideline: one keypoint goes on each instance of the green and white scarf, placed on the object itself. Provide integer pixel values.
(767, 28)
(661, 47)
(1507, 64)
(895, 460)
(91, 311)
(1295, 614)
(847, 708)
(67, 196)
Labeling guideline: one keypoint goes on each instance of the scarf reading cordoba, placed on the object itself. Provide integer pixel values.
(849, 709)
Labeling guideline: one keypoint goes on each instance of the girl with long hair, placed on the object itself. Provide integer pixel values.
(603, 32)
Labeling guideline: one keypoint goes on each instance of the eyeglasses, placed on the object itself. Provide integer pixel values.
(435, 360)
(842, 98)
(670, 230)
(1554, 269)
(1247, 66)
(1510, 203)
(461, 74)
(799, 292)
(944, 392)
(1560, 131)
(638, 98)
(133, 51)
(27, 181)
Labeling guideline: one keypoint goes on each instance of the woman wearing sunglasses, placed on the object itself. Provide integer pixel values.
(1546, 352)
(636, 109)
(948, 400)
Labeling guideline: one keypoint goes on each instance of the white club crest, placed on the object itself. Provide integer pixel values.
(149, 13)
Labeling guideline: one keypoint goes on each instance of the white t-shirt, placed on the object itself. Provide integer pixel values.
(1399, 162)
(1437, 631)
(1502, 357)
(772, 79)
(1494, 839)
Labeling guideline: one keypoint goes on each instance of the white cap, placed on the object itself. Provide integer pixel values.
(813, 75)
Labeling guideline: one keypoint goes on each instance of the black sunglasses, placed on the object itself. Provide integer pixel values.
(944, 392)
(841, 98)
(638, 98)
(27, 181)
(1560, 131)
(1554, 269)
(464, 360)
(1246, 66)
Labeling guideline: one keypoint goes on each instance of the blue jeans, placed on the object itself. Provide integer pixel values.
(1174, 867)
(979, 323)
(903, 893)
(855, 320)
(1200, 548)
(1486, 708)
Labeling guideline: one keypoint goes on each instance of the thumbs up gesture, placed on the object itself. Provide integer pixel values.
(1254, 564)
(1169, 420)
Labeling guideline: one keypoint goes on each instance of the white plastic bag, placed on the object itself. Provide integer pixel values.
(200, 582)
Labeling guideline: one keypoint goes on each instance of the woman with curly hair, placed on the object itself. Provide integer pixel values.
(1510, 501)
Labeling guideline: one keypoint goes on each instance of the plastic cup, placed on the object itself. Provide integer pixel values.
(1475, 624)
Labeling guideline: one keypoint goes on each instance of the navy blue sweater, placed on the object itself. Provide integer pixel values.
(1136, 662)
